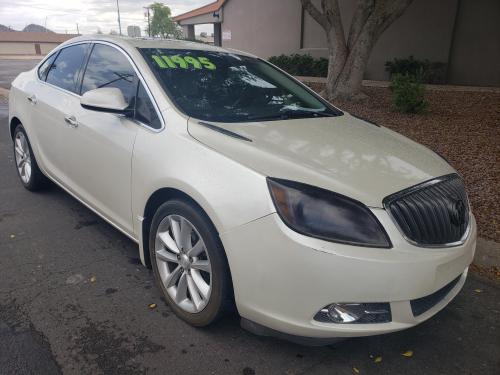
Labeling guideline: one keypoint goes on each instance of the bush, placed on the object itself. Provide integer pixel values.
(301, 65)
(408, 93)
(429, 72)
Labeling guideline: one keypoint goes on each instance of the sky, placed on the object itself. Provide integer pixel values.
(62, 16)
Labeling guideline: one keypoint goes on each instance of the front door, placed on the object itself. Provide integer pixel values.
(100, 145)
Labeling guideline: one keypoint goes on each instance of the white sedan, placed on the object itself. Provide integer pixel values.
(244, 188)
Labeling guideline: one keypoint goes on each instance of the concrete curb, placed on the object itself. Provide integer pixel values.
(385, 84)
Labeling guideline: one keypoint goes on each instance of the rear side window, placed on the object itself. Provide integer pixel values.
(65, 70)
(144, 109)
(44, 68)
(108, 67)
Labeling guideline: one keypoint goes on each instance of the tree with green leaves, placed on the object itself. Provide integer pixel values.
(162, 24)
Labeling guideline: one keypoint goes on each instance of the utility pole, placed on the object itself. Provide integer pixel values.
(149, 23)
(119, 22)
(77, 29)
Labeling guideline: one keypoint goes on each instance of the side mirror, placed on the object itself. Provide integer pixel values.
(104, 99)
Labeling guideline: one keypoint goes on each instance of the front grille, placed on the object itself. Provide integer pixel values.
(421, 305)
(434, 213)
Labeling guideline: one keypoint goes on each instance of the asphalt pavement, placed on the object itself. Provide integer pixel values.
(10, 68)
(74, 300)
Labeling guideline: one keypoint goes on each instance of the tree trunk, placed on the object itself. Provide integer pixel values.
(347, 82)
(337, 56)
(347, 59)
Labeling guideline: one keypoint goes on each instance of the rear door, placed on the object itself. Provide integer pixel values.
(100, 146)
(52, 98)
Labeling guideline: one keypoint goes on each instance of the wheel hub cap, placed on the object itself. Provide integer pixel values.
(23, 157)
(183, 263)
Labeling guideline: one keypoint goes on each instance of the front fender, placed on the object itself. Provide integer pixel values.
(229, 193)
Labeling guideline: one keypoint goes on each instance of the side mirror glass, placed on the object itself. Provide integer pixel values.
(104, 99)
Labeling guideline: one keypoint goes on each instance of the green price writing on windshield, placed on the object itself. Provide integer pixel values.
(183, 62)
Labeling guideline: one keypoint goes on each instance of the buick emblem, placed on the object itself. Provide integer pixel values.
(457, 212)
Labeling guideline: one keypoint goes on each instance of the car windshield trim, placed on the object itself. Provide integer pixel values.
(224, 87)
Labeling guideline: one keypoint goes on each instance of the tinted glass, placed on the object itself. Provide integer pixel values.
(44, 68)
(144, 110)
(108, 67)
(226, 87)
(65, 70)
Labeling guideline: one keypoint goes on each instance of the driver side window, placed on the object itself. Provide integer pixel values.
(108, 67)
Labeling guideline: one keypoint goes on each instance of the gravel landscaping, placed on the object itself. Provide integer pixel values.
(464, 127)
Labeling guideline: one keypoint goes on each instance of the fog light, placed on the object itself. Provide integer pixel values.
(345, 313)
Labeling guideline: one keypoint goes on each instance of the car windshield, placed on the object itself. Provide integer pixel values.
(227, 87)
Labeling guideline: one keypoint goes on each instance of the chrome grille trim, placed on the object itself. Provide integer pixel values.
(423, 213)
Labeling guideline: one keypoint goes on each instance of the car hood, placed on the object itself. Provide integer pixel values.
(342, 154)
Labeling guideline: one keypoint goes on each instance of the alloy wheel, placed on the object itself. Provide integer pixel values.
(23, 157)
(183, 263)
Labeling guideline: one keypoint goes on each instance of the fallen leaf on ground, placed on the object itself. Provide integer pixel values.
(356, 371)
(152, 306)
(93, 279)
(478, 290)
(12, 236)
(408, 353)
(377, 359)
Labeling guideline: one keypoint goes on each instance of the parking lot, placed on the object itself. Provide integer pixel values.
(74, 299)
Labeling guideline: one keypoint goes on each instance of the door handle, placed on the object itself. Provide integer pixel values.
(71, 121)
(32, 99)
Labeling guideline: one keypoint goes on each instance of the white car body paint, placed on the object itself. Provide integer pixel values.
(281, 278)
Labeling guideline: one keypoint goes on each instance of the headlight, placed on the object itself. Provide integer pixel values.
(320, 213)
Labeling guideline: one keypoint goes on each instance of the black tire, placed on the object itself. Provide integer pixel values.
(221, 296)
(37, 180)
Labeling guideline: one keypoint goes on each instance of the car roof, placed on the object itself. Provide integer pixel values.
(128, 42)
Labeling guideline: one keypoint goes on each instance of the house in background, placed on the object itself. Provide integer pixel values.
(30, 43)
(463, 34)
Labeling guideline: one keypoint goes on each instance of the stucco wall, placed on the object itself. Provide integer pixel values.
(12, 48)
(425, 30)
(475, 53)
(262, 27)
(47, 47)
(25, 48)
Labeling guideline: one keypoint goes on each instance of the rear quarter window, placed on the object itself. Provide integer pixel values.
(44, 68)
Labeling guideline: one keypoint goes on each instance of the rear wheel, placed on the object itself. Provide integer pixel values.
(189, 263)
(27, 168)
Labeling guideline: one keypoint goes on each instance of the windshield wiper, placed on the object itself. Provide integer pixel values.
(289, 114)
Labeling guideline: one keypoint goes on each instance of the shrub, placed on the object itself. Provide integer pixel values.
(301, 65)
(408, 93)
(430, 72)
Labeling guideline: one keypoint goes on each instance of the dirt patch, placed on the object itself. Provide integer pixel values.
(464, 127)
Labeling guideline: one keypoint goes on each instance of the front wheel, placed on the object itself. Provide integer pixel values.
(189, 263)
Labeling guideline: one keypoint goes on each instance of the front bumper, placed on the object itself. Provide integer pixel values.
(282, 279)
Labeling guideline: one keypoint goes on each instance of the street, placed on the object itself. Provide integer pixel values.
(75, 299)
